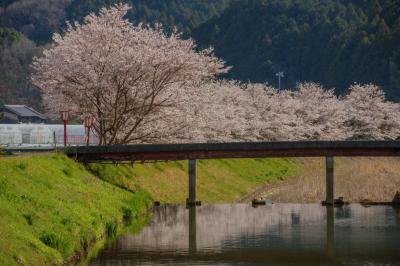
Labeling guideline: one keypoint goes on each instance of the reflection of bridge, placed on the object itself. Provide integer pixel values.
(280, 234)
(254, 256)
(191, 152)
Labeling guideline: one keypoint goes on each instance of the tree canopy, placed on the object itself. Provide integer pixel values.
(131, 79)
(332, 42)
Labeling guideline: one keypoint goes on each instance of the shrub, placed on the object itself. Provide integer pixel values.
(22, 166)
(28, 218)
(127, 214)
(67, 171)
(111, 229)
(85, 241)
(52, 240)
(65, 221)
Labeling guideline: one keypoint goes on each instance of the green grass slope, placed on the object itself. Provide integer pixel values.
(223, 180)
(52, 209)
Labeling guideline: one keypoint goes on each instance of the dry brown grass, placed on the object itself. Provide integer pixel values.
(356, 179)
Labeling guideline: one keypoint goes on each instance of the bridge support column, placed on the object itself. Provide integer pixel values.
(329, 180)
(192, 183)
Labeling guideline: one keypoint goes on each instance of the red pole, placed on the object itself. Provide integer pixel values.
(65, 133)
(88, 125)
(65, 117)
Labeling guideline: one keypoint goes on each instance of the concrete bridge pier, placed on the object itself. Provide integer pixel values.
(191, 201)
(329, 162)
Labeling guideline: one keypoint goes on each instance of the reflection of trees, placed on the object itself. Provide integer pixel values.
(280, 226)
(302, 234)
(219, 225)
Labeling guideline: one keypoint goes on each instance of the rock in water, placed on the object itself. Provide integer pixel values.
(396, 199)
(261, 201)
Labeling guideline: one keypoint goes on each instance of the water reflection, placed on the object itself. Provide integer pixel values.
(279, 234)
(330, 231)
(192, 230)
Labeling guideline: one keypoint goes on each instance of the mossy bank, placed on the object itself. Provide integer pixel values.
(53, 210)
(223, 180)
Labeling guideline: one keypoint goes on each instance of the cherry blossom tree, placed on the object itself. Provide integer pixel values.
(144, 86)
(368, 114)
(129, 78)
(317, 114)
(230, 111)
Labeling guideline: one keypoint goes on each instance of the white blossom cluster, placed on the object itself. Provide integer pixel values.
(230, 111)
(143, 86)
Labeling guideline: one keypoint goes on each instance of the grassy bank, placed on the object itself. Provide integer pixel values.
(375, 178)
(218, 180)
(52, 209)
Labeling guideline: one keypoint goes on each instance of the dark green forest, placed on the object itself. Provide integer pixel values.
(183, 14)
(334, 42)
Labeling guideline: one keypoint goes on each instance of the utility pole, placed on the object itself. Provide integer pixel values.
(279, 75)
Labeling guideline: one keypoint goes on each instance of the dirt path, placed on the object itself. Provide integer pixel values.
(356, 179)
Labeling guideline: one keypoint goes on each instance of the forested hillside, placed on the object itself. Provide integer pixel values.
(183, 14)
(26, 26)
(335, 42)
(38, 19)
(16, 52)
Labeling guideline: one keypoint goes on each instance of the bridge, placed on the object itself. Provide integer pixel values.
(193, 152)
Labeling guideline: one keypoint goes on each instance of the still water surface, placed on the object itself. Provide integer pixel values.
(278, 234)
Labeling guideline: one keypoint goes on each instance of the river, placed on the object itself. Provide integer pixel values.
(276, 234)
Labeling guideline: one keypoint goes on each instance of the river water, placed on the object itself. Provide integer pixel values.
(277, 234)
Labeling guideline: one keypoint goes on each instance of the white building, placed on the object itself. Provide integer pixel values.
(13, 135)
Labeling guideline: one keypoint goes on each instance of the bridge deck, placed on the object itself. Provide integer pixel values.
(145, 152)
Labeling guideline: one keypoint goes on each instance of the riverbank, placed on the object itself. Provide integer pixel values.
(373, 178)
(53, 210)
(294, 180)
(224, 180)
